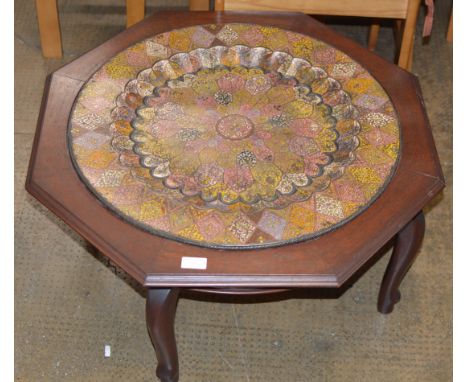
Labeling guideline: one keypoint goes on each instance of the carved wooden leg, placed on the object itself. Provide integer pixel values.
(407, 244)
(160, 313)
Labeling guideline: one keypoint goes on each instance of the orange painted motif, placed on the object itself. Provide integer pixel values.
(234, 135)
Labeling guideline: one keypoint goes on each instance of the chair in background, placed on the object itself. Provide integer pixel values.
(49, 25)
(404, 11)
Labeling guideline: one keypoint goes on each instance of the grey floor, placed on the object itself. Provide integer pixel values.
(70, 302)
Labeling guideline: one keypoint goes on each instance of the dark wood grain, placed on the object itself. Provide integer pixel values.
(406, 247)
(327, 261)
(161, 307)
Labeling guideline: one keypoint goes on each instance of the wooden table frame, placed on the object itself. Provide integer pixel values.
(327, 261)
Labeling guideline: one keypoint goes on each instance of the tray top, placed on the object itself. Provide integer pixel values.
(234, 136)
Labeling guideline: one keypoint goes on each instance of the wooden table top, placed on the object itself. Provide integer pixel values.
(234, 135)
(276, 150)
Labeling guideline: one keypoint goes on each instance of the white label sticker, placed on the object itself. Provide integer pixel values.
(193, 262)
(107, 351)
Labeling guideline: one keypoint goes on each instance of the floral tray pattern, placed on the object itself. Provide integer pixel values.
(234, 135)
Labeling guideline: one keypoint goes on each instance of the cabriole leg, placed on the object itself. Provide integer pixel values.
(161, 307)
(407, 243)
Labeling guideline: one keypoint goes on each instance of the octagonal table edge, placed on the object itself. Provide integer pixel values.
(164, 278)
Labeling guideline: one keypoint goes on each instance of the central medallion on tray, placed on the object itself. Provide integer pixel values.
(234, 136)
(239, 124)
(234, 126)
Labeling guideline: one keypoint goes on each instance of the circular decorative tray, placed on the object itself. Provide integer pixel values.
(234, 136)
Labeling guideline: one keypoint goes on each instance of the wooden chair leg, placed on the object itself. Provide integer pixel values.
(219, 5)
(408, 241)
(409, 65)
(199, 5)
(408, 33)
(450, 29)
(398, 35)
(161, 307)
(49, 28)
(135, 11)
(373, 36)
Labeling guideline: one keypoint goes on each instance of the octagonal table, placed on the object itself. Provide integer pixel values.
(241, 153)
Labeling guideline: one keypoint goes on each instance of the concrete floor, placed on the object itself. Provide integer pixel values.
(70, 302)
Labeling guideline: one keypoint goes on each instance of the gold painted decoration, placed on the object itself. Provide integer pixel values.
(234, 135)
